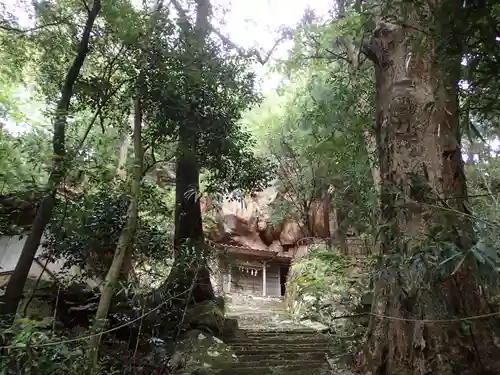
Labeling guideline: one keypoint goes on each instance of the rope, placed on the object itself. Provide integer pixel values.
(451, 320)
(380, 316)
(81, 338)
(322, 240)
(414, 320)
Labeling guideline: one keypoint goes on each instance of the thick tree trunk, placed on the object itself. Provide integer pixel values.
(127, 236)
(189, 279)
(15, 286)
(189, 242)
(415, 165)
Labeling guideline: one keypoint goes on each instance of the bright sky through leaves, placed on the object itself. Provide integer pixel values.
(247, 23)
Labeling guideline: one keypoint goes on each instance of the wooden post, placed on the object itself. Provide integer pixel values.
(264, 279)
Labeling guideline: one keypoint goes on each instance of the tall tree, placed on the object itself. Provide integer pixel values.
(188, 222)
(15, 286)
(211, 95)
(418, 145)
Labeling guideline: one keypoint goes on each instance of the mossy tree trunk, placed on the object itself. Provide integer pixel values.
(416, 130)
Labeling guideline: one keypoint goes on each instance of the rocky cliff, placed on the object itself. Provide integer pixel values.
(245, 222)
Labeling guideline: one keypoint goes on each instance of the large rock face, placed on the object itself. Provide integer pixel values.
(244, 222)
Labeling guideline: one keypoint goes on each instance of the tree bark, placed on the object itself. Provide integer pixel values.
(15, 286)
(127, 236)
(340, 232)
(121, 164)
(413, 139)
(371, 149)
(189, 270)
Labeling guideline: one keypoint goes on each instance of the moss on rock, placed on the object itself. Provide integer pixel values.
(200, 353)
(207, 316)
(324, 285)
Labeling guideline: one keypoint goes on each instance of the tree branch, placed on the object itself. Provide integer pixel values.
(229, 43)
(36, 28)
(253, 52)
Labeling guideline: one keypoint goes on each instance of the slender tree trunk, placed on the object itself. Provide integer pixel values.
(340, 233)
(15, 286)
(127, 236)
(414, 167)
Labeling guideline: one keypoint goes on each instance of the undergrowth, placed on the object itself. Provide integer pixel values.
(329, 288)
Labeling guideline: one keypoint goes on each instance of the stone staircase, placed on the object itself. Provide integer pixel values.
(268, 342)
(285, 352)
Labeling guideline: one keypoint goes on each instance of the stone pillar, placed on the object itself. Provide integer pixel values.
(264, 286)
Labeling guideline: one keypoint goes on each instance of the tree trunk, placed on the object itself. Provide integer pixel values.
(371, 148)
(414, 167)
(325, 204)
(125, 241)
(189, 280)
(15, 286)
(340, 232)
(121, 164)
(189, 241)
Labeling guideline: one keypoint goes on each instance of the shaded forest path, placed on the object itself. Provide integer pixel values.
(269, 342)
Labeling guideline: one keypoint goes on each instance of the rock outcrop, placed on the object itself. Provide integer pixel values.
(245, 222)
(206, 315)
(200, 353)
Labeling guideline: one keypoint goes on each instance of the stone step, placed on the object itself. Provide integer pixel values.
(287, 344)
(279, 343)
(280, 363)
(302, 369)
(316, 355)
(280, 348)
(277, 339)
(280, 332)
(277, 350)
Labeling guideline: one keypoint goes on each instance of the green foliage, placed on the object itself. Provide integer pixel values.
(318, 267)
(23, 161)
(36, 349)
(323, 286)
(314, 131)
(481, 49)
(204, 92)
(484, 181)
(30, 354)
(85, 230)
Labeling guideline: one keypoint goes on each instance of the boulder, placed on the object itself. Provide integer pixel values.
(230, 328)
(206, 315)
(220, 302)
(301, 251)
(291, 233)
(276, 247)
(199, 353)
